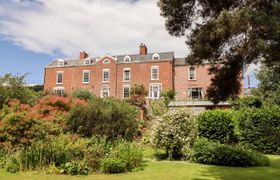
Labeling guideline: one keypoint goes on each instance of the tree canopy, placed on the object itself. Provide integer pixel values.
(234, 33)
(269, 84)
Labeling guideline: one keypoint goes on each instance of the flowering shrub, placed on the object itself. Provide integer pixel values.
(174, 132)
(22, 124)
(158, 107)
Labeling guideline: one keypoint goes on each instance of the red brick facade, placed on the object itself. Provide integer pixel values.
(168, 73)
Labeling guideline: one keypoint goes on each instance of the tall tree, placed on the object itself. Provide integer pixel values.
(234, 33)
(14, 87)
(269, 86)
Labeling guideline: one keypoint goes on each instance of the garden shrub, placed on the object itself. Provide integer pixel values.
(160, 154)
(168, 96)
(83, 94)
(214, 153)
(130, 153)
(174, 132)
(105, 117)
(22, 124)
(98, 148)
(75, 168)
(259, 128)
(247, 102)
(112, 165)
(12, 165)
(55, 150)
(217, 125)
(158, 107)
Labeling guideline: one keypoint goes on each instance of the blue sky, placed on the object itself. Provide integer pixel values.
(18, 61)
(34, 32)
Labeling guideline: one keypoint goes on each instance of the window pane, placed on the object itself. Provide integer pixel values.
(126, 92)
(105, 92)
(195, 93)
(86, 77)
(59, 78)
(192, 72)
(126, 75)
(105, 76)
(154, 73)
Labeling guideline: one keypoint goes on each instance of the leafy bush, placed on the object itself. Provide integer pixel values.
(247, 102)
(259, 128)
(54, 150)
(217, 125)
(160, 154)
(158, 107)
(22, 124)
(83, 94)
(174, 132)
(75, 168)
(105, 117)
(98, 148)
(112, 165)
(130, 153)
(14, 87)
(12, 165)
(209, 152)
(168, 96)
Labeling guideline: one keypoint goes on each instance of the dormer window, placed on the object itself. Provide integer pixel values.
(61, 62)
(87, 61)
(127, 59)
(106, 61)
(156, 56)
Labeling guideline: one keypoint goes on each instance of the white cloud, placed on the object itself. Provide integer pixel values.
(97, 26)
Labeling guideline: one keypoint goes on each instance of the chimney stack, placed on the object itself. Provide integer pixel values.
(83, 55)
(143, 49)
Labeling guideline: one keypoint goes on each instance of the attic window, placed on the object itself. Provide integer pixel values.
(156, 56)
(61, 62)
(106, 61)
(127, 59)
(87, 61)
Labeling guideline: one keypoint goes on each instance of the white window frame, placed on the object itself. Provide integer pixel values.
(86, 71)
(129, 78)
(190, 90)
(127, 59)
(189, 73)
(61, 62)
(59, 89)
(156, 56)
(57, 73)
(126, 86)
(87, 61)
(106, 61)
(106, 70)
(157, 68)
(151, 94)
(108, 89)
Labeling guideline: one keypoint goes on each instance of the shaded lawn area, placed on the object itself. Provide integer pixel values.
(170, 170)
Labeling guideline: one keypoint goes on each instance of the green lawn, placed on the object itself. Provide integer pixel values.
(170, 170)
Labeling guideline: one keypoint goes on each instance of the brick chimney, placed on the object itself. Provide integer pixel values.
(143, 49)
(83, 55)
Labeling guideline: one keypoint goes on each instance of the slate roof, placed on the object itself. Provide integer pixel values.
(183, 62)
(148, 57)
(120, 58)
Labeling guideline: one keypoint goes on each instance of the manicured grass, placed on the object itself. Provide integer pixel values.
(170, 170)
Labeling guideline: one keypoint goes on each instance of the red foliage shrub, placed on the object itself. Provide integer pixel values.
(21, 124)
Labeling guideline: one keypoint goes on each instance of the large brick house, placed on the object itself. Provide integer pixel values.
(114, 75)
